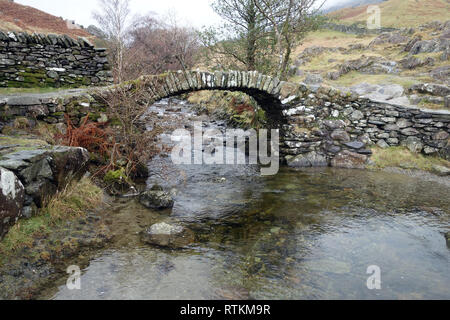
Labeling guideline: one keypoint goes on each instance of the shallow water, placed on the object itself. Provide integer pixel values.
(302, 234)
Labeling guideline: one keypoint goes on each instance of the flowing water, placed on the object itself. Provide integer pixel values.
(302, 234)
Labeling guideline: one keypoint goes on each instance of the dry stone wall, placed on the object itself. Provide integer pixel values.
(37, 60)
(327, 127)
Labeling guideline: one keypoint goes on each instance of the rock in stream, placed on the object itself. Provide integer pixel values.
(156, 198)
(168, 235)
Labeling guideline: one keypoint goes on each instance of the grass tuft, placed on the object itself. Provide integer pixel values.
(403, 158)
(72, 202)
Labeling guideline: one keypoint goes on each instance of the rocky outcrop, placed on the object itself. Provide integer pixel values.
(427, 46)
(168, 235)
(355, 29)
(40, 60)
(369, 65)
(12, 194)
(44, 171)
(431, 88)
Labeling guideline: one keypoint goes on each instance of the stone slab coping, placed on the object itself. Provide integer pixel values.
(432, 111)
(28, 99)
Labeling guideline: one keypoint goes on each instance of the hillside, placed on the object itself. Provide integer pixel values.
(410, 66)
(350, 3)
(398, 13)
(17, 17)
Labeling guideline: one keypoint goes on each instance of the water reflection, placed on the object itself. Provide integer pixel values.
(308, 235)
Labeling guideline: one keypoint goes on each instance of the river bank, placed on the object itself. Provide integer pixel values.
(39, 249)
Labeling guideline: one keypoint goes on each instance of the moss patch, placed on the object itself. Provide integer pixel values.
(21, 143)
(117, 176)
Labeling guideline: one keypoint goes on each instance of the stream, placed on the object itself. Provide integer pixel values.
(301, 234)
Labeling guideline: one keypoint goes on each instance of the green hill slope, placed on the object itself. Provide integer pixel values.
(399, 13)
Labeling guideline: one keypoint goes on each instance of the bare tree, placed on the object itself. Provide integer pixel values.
(240, 41)
(183, 41)
(290, 20)
(157, 46)
(113, 21)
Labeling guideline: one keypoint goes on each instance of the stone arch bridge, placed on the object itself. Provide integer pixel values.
(270, 93)
(319, 125)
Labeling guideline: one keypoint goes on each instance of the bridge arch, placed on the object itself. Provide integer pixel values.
(272, 95)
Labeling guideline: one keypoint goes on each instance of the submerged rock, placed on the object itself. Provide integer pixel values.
(168, 235)
(156, 198)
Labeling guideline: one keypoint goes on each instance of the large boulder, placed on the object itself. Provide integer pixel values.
(413, 62)
(310, 159)
(379, 92)
(168, 235)
(12, 195)
(431, 88)
(394, 38)
(427, 46)
(349, 160)
(156, 198)
(44, 171)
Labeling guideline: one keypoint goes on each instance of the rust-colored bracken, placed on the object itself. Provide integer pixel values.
(94, 137)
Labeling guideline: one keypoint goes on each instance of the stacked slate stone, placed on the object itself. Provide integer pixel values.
(327, 126)
(37, 60)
